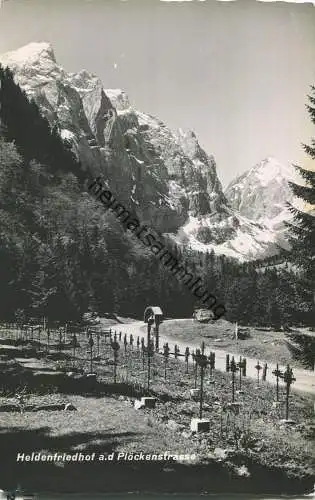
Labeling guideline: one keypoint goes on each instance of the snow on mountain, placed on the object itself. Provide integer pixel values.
(235, 236)
(166, 177)
(261, 193)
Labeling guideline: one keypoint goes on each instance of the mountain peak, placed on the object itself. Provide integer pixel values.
(30, 54)
(261, 192)
(271, 161)
(186, 133)
(271, 170)
(33, 65)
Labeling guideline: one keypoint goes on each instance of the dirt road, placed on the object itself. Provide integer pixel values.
(305, 379)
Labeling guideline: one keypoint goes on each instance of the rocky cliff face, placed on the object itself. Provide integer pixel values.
(166, 177)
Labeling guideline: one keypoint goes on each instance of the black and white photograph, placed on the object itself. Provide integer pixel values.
(157, 249)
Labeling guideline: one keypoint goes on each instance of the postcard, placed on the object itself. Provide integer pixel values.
(157, 194)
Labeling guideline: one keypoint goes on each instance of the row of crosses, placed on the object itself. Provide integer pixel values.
(199, 360)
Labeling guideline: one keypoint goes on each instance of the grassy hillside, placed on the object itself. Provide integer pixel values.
(262, 343)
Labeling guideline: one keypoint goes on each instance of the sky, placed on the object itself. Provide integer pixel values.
(237, 73)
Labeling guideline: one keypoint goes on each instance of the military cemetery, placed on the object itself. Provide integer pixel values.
(208, 407)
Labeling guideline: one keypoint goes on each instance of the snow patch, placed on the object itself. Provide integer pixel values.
(66, 135)
(30, 53)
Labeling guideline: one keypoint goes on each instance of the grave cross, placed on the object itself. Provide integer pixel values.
(288, 379)
(233, 369)
(277, 373)
(258, 367)
(202, 361)
(211, 362)
(176, 351)
(240, 367)
(125, 342)
(115, 346)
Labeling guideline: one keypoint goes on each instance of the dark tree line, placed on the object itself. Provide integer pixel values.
(61, 254)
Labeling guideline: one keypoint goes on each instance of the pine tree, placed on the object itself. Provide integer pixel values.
(302, 227)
